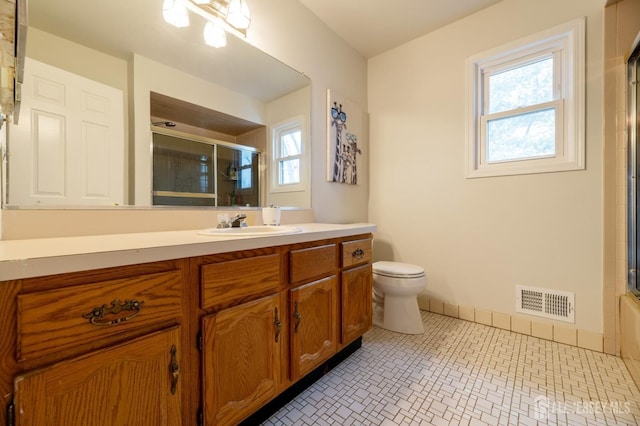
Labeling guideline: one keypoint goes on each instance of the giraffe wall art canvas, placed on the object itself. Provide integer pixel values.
(344, 126)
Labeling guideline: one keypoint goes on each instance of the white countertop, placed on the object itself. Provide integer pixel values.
(46, 256)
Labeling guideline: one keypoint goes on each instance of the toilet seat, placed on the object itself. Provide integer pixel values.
(397, 270)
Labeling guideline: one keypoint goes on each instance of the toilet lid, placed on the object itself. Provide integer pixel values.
(397, 270)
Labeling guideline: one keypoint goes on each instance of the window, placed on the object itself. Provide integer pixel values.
(527, 99)
(287, 157)
(247, 161)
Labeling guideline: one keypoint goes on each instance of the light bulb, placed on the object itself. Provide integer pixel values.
(214, 34)
(175, 13)
(238, 14)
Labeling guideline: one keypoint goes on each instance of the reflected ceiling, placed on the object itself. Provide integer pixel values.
(165, 107)
(119, 27)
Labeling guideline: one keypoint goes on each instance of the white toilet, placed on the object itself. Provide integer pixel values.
(395, 296)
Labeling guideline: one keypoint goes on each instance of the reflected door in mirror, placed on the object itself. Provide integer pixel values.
(68, 148)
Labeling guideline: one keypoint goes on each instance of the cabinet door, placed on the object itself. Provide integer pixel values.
(241, 359)
(313, 324)
(356, 302)
(136, 383)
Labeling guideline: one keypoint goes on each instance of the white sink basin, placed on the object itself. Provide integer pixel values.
(251, 231)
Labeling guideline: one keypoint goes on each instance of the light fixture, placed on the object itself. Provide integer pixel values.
(221, 15)
(175, 13)
(238, 14)
(214, 34)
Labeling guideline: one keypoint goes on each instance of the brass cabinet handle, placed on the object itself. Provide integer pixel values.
(96, 316)
(358, 254)
(174, 369)
(297, 316)
(277, 324)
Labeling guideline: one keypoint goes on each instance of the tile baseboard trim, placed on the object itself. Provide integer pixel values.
(518, 324)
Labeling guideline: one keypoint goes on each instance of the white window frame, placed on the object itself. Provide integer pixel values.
(276, 131)
(566, 43)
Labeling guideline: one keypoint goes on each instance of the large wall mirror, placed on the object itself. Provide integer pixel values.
(122, 60)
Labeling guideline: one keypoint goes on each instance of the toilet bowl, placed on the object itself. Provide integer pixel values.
(395, 296)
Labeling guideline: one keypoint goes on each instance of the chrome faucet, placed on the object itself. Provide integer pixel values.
(237, 221)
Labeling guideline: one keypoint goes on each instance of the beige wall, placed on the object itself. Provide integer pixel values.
(291, 33)
(294, 105)
(479, 238)
(77, 59)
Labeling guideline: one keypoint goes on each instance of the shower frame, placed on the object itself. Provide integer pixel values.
(633, 158)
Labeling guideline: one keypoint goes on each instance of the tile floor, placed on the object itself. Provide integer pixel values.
(465, 373)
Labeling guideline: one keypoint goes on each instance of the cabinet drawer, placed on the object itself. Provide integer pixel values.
(237, 280)
(313, 262)
(356, 252)
(51, 320)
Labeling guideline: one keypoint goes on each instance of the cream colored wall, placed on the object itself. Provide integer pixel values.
(479, 238)
(76, 58)
(279, 111)
(291, 33)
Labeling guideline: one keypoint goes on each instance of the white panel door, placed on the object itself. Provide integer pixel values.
(68, 148)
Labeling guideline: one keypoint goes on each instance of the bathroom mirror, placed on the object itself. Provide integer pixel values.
(100, 41)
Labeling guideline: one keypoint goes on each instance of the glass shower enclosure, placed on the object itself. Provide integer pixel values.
(633, 133)
(195, 171)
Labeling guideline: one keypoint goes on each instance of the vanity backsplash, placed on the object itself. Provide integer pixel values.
(19, 224)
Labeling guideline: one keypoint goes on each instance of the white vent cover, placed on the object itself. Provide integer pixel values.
(546, 303)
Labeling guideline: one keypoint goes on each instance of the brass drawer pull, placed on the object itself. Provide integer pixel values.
(174, 369)
(297, 315)
(358, 254)
(277, 324)
(96, 316)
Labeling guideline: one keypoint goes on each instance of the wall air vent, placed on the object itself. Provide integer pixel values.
(542, 302)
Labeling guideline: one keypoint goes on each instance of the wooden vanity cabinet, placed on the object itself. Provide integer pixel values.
(313, 307)
(242, 339)
(255, 345)
(100, 347)
(356, 289)
(202, 340)
(356, 303)
(132, 383)
(241, 355)
(313, 325)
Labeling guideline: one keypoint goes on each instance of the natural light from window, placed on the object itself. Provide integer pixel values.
(290, 151)
(521, 135)
(528, 105)
(288, 156)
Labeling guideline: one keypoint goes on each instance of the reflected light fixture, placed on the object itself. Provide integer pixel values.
(238, 14)
(221, 16)
(175, 13)
(214, 34)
